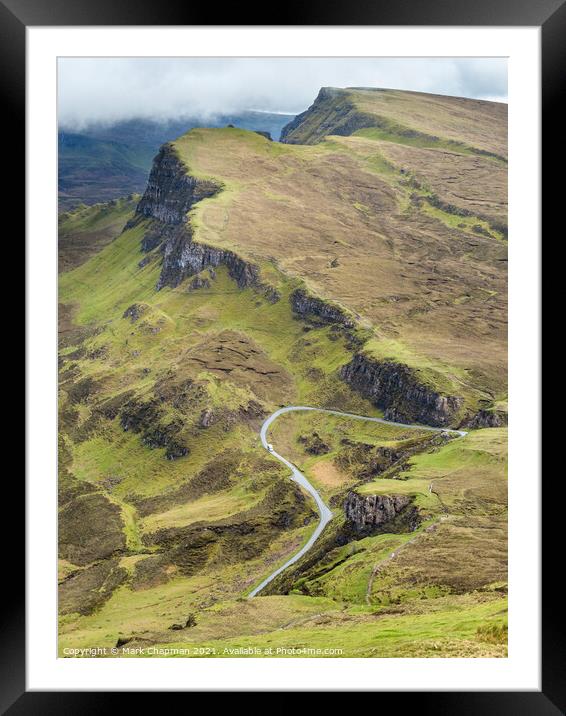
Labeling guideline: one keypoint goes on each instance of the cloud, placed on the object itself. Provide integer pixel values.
(92, 90)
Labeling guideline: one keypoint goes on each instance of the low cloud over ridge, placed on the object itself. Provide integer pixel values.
(94, 90)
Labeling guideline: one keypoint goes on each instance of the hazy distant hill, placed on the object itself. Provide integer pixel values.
(104, 162)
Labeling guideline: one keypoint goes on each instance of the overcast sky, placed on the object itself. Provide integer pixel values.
(110, 89)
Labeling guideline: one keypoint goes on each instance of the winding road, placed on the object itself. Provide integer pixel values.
(325, 514)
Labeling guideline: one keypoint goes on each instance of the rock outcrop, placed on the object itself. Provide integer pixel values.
(144, 418)
(486, 419)
(262, 133)
(183, 257)
(314, 444)
(396, 389)
(198, 282)
(366, 462)
(336, 112)
(330, 113)
(134, 312)
(207, 418)
(171, 191)
(164, 436)
(377, 513)
(317, 310)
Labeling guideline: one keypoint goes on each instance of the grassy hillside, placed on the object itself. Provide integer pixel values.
(170, 509)
(417, 119)
(429, 284)
(86, 230)
(138, 384)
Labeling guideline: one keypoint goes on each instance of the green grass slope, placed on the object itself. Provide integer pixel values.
(135, 387)
(87, 229)
(170, 509)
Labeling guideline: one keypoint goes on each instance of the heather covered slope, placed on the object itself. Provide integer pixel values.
(375, 234)
(355, 273)
(413, 118)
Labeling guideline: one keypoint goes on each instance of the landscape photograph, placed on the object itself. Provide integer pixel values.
(282, 357)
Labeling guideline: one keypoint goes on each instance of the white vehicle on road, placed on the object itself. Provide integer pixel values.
(270, 447)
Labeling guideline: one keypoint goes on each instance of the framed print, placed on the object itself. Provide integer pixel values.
(283, 314)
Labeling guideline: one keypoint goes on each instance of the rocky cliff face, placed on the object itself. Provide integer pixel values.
(171, 191)
(144, 418)
(330, 113)
(170, 194)
(486, 419)
(183, 257)
(373, 513)
(396, 389)
(366, 461)
(318, 310)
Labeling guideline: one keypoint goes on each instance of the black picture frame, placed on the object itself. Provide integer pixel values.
(550, 16)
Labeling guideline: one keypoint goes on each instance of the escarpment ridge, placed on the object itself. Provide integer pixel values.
(396, 389)
(323, 276)
(172, 192)
(385, 118)
(404, 117)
